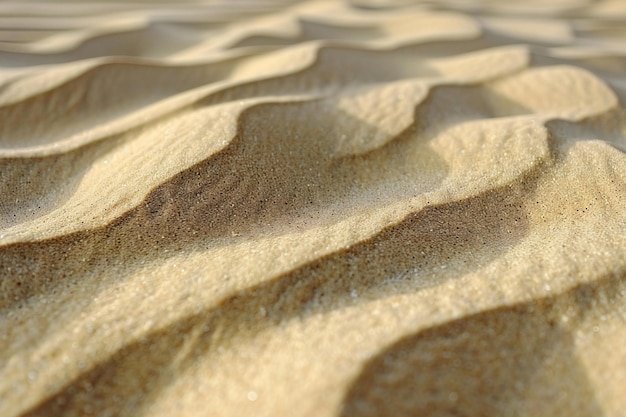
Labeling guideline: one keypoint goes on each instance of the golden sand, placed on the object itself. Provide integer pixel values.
(326, 208)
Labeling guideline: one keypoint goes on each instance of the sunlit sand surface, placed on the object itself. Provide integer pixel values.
(325, 208)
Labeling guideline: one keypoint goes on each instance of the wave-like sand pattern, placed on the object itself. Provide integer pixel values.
(312, 208)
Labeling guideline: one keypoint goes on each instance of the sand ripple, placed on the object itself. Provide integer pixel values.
(312, 208)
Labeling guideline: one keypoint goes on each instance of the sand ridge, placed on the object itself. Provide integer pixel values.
(312, 208)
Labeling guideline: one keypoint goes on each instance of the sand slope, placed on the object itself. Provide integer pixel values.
(313, 209)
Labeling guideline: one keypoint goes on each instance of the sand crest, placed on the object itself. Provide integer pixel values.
(320, 208)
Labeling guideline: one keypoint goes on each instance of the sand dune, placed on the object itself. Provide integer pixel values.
(319, 208)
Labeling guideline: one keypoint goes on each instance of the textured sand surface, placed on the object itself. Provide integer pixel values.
(265, 208)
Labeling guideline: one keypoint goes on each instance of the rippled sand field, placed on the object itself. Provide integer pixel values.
(324, 208)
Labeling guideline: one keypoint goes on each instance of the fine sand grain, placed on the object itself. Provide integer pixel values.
(322, 208)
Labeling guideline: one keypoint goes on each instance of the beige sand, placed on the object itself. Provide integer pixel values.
(264, 208)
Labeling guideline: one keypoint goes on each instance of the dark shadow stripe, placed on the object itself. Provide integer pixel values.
(518, 360)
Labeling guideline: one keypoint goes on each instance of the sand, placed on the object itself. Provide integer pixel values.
(325, 208)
